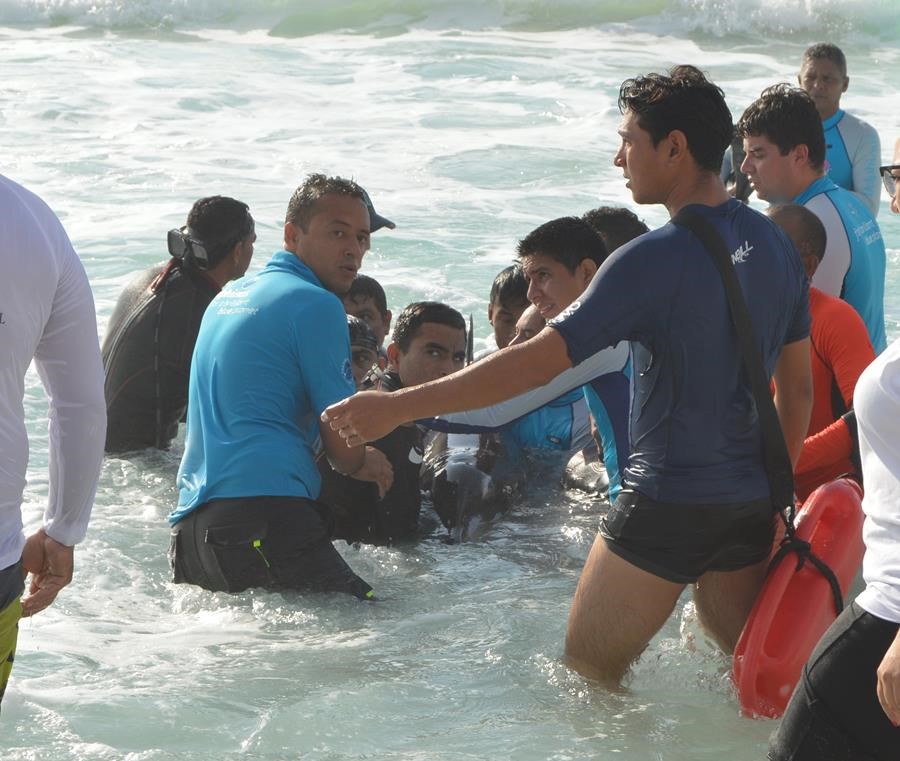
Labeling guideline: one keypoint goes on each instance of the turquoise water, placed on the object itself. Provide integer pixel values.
(470, 123)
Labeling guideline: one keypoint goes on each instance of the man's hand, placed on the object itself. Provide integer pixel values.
(377, 469)
(365, 416)
(50, 565)
(889, 682)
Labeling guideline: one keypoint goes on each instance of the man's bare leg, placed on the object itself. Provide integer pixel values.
(724, 600)
(616, 611)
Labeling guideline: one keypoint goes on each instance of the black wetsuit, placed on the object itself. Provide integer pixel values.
(359, 516)
(147, 355)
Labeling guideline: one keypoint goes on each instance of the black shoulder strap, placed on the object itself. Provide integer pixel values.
(778, 463)
(776, 458)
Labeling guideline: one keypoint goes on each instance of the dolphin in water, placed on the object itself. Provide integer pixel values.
(472, 483)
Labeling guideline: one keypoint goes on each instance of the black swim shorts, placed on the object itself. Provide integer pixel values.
(834, 713)
(681, 542)
(230, 545)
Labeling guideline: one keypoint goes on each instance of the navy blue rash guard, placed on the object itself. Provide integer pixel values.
(694, 431)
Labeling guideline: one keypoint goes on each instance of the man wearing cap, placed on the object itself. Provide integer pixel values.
(273, 351)
(376, 221)
(150, 336)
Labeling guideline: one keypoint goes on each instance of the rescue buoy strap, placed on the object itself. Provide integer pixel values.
(791, 543)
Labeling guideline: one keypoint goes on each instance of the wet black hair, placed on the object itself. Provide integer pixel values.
(364, 287)
(567, 240)
(685, 100)
(361, 334)
(407, 325)
(787, 116)
(219, 222)
(615, 224)
(301, 206)
(510, 287)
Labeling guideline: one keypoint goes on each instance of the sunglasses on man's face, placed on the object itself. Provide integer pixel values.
(890, 175)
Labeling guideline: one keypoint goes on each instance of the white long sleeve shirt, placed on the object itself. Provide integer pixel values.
(47, 313)
(877, 404)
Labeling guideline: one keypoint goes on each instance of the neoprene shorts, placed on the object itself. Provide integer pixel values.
(276, 543)
(12, 584)
(834, 713)
(680, 542)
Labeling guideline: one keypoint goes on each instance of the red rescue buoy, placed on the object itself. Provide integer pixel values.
(795, 607)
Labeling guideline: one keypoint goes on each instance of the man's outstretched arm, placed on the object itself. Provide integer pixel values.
(369, 415)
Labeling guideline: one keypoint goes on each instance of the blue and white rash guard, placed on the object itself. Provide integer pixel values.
(605, 371)
(854, 264)
(853, 151)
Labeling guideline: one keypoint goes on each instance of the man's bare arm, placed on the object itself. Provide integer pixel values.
(794, 395)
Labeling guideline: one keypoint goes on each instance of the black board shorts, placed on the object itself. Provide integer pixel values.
(680, 542)
(277, 543)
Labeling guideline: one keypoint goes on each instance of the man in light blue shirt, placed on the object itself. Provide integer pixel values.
(272, 353)
(785, 162)
(853, 149)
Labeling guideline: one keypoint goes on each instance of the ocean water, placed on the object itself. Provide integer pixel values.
(470, 123)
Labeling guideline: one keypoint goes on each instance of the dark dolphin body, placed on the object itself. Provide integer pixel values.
(473, 479)
(472, 483)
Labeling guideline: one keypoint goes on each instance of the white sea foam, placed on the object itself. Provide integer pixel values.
(294, 18)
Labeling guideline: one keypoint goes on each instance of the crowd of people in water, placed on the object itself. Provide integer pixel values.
(313, 413)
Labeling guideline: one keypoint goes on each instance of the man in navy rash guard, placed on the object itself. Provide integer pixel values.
(695, 505)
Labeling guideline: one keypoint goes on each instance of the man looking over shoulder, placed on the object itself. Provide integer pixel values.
(47, 315)
(853, 149)
(272, 353)
(786, 164)
(695, 505)
(151, 334)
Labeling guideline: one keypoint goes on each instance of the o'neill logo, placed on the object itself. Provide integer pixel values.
(740, 256)
(565, 313)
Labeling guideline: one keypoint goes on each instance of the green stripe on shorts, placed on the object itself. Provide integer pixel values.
(9, 633)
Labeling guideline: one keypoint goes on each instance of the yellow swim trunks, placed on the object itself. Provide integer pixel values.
(9, 632)
(12, 584)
